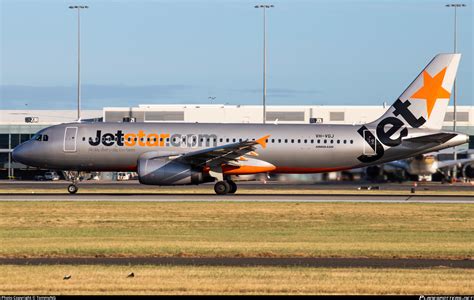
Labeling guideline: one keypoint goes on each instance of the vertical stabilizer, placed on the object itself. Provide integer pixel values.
(424, 103)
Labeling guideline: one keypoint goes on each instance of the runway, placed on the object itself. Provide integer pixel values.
(234, 198)
(399, 263)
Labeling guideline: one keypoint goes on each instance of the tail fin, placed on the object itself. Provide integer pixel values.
(423, 104)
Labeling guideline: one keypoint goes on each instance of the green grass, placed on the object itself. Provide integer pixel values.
(236, 229)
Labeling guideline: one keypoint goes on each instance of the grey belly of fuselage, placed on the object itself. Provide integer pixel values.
(295, 148)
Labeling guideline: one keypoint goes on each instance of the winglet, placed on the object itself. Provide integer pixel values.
(263, 141)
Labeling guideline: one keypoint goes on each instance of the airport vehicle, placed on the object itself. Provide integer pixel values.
(121, 176)
(195, 153)
(52, 175)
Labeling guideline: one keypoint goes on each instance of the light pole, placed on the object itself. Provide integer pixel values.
(455, 5)
(264, 7)
(78, 7)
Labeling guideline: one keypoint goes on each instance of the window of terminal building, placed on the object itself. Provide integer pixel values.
(4, 141)
(461, 116)
(4, 159)
(336, 116)
(162, 116)
(285, 116)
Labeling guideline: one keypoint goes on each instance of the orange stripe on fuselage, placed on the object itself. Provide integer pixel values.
(303, 170)
(243, 170)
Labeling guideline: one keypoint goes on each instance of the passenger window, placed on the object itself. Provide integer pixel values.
(299, 141)
(332, 141)
(345, 141)
(292, 141)
(227, 140)
(273, 140)
(312, 141)
(233, 140)
(286, 141)
(84, 138)
(279, 140)
(338, 141)
(305, 141)
(45, 138)
(319, 141)
(352, 141)
(220, 140)
(325, 141)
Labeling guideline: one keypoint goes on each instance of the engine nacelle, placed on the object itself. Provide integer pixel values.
(468, 170)
(164, 171)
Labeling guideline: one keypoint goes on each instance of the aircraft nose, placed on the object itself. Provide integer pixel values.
(20, 153)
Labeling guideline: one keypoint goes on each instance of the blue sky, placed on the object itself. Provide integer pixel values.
(135, 52)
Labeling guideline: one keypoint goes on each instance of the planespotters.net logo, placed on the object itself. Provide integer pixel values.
(422, 297)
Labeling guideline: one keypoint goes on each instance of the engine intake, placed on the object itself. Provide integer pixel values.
(164, 171)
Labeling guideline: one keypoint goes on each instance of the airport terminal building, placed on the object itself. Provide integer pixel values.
(17, 126)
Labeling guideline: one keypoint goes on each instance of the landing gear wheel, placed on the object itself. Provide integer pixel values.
(233, 187)
(72, 189)
(222, 188)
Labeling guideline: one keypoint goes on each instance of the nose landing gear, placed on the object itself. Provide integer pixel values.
(72, 188)
(74, 177)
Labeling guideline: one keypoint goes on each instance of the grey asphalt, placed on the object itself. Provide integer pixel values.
(249, 185)
(233, 198)
(331, 262)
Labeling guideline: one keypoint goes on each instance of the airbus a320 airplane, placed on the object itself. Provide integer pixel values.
(191, 153)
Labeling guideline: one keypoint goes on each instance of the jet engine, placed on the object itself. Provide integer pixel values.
(165, 171)
(468, 170)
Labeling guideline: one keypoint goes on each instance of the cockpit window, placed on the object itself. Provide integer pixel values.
(40, 137)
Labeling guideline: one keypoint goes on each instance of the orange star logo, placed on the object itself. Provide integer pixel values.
(432, 90)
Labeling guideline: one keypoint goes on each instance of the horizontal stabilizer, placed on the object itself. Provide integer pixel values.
(438, 138)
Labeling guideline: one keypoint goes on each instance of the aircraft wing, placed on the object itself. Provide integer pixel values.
(399, 164)
(438, 138)
(451, 163)
(229, 153)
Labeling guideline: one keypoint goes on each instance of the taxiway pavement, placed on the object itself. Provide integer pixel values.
(234, 198)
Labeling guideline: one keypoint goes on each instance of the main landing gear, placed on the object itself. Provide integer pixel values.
(225, 187)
